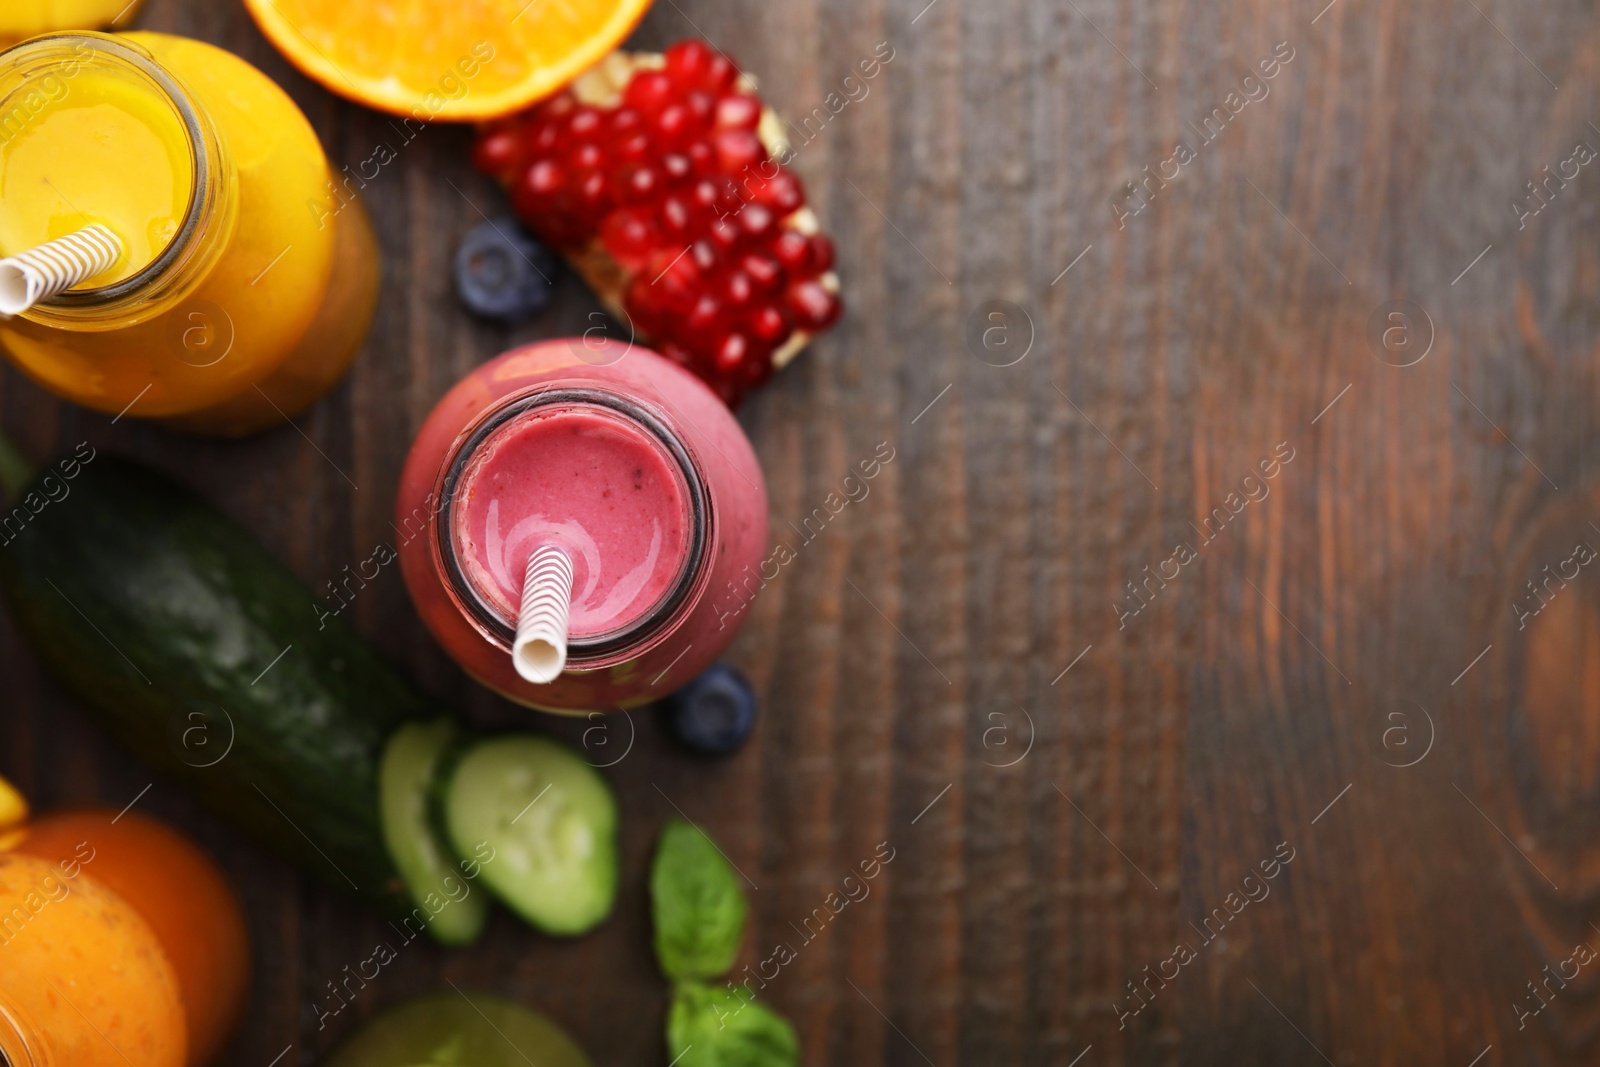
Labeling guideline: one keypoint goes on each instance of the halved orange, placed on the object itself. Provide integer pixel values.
(446, 60)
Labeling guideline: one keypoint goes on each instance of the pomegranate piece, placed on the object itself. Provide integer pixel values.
(656, 176)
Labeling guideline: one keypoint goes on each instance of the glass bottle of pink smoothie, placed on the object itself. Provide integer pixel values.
(623, 460)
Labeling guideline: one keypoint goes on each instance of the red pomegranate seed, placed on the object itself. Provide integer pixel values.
(704, 193)
(649, 91)
(675, 126)
(629, 235)
(585, 156)
(770, 325)
(782, 193)
(813, 307)
(821, 253)
(546, 138)
(594, 197)
(725, 235)
(715, 195)
(673, 278)
(705, 256)
(498, 152)
(640, 185)
(585, 123)
(626, 120)
(703, 317)
(730, 354)
(701, 156)
(737, 150)
(675, 217)
(645, 297)
(737, 111)
(703, 106)
(556, 107)
(533, 202)
(763, 270)
(676, 168)
(635, 148)
(756, 222)
(646, 306)
(737, 289)
(720, 73)
(687, 62)
(544, 178)
(793, 250)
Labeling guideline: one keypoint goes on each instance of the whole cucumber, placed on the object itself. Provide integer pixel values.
(186, 640)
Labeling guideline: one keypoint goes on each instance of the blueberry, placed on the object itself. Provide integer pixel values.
(714, 713)
(502, 273)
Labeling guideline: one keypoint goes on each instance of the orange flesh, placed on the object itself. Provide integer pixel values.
(459, 61)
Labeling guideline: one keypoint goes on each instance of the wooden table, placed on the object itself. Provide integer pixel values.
(1339, 664)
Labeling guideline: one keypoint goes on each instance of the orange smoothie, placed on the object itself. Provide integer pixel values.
(180, 895)
(237, 299)
(83, 980)
(120, 942)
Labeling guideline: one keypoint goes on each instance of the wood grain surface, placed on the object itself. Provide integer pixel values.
(1329, 664)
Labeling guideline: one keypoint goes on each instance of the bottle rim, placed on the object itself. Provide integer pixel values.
(202, 164)
(588, 652)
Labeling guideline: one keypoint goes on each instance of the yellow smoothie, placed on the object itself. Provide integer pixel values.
(67, 166)
(233, 304)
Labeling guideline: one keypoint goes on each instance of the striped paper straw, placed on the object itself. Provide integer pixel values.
(540, 649)
(55, 266)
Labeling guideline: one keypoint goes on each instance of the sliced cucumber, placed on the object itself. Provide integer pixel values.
(551, 820)
(447, 902)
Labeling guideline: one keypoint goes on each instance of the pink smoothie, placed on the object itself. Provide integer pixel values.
(659, 554)
(598, 486)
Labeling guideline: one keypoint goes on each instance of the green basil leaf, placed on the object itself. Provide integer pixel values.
(697, 904)
(719, 1026)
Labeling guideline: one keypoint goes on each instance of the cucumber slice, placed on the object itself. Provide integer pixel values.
(454, 912)
(551, 819)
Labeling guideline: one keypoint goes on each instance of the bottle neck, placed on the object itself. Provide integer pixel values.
(592, 651)
(39, 72)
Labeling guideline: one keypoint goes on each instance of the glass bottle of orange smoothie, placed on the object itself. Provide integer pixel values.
(242, 288)
(120, 943)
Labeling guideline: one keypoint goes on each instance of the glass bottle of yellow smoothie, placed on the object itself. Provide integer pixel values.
(242, 289)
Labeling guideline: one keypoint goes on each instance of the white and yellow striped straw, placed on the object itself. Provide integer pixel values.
(55, 266)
